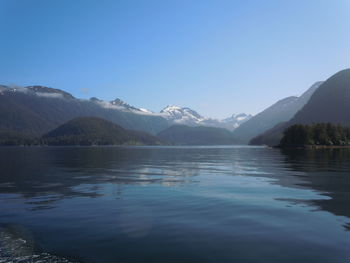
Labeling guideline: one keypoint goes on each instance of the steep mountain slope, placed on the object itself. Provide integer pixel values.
(37, 110)
(187, 116)
(330, 103)
(198, 135)
(281, 111)
(96, 131)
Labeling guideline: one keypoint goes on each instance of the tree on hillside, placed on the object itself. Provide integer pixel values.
(316, 134)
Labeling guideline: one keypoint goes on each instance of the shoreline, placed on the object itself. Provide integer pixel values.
(314, 147)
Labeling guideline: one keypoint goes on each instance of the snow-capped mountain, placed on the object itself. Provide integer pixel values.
(118, 104)
(170, 115)
(187, 116)
(181, 115)
(40, 109)
(236, 120)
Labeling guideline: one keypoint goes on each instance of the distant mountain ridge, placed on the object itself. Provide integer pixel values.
(37, 110)
(197, 135)
(96, 131)
(330, 103)
(118, 104)
(281, 111)
(82, 131)
(186, 116)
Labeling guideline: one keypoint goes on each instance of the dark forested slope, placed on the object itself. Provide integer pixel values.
(330, 103)
(96, 131)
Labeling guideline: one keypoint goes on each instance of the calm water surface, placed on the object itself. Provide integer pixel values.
(175, 204)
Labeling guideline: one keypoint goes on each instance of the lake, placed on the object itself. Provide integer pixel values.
(174, 204)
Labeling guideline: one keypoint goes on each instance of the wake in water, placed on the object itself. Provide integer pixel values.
(15, 248)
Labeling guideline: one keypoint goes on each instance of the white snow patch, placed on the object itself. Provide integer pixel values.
(187, 116)
(49, 95)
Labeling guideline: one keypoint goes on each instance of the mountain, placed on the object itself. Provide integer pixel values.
(328, 104)
(281, 111)
(235, 120)
(37, 109)
(187, 116)
(118, 104)
(315, 135)
(182, 115)
(96, 131)
(197, 135)
(12, 138)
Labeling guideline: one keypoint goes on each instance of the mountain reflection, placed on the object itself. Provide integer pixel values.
(327, 171)
(44, 176)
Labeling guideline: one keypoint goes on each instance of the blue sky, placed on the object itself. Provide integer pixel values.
(217, 57)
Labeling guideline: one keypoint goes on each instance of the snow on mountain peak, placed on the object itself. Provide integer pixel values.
(241, 117)
(187, 116)
(181, 115)
(119, 104)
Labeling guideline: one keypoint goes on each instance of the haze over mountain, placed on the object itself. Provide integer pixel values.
(37, 110)
(330, 103)
(281, 111)
(118, 104)
(197, 135)
(96, 131)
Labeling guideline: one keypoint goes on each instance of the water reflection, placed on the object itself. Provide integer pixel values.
(44, 176)
(158, 204)
(327, 171)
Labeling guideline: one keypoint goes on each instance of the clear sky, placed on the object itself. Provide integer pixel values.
(217, 57)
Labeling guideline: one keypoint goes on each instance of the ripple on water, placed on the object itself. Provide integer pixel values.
(15, 248)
